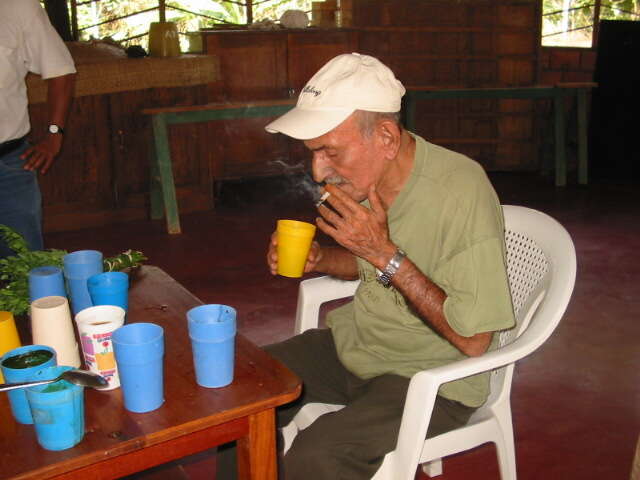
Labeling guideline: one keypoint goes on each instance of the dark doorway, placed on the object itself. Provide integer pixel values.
(614, 133)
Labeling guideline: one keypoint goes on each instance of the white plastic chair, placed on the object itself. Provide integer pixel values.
(541, 264)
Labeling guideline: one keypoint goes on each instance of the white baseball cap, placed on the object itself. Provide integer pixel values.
(347, 83)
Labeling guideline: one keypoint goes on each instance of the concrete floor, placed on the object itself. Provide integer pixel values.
(576, 401)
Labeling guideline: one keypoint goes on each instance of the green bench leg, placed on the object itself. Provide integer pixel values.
(410, 113)
(560, 143)
(164, 171)
(155, 187)
(583, 154)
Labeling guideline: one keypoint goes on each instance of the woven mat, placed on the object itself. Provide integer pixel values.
(106, 71)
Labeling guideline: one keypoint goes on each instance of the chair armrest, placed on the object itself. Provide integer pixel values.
(419, 403)
(316, 291)
(424, 387)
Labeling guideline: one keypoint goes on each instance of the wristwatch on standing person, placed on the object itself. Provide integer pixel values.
(53, 128)
(385, 276)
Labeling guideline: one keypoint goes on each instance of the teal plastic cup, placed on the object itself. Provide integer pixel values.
(109, 288)
(212, 329)
(139, 351)
(13, 373)
(57, 410)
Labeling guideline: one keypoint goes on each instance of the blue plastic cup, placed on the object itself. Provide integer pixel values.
(109, 288)
(57, 410)
(78, 267)
(212, 329)
(82, 263)
(78, 294)
(46, 282)
(18, 397)
(139, 351)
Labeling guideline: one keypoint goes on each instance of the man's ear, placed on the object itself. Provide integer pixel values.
(389, 136)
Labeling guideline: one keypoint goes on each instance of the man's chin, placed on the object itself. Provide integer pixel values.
(353, 194)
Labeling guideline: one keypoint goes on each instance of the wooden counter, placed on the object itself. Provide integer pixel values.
(121, 74)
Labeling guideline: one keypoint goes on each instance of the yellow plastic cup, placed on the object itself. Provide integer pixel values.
(294, 242)
(9, 338)
(163, 39)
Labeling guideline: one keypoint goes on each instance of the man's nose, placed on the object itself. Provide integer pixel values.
(319, 166)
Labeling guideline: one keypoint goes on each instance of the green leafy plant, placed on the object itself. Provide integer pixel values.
(130, 259)
(14, 270)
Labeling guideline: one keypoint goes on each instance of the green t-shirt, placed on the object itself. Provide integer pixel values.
(448, 220)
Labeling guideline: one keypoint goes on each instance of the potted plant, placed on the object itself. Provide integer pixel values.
(14, 270)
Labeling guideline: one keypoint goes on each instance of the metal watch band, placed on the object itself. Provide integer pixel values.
(391, 269)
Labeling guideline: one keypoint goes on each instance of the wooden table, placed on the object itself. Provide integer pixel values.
(192, 418)
(557, 93)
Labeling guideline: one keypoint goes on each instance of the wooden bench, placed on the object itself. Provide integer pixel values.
(163, 192)
(557, 93)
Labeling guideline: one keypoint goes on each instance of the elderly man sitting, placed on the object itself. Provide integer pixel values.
(422, 228)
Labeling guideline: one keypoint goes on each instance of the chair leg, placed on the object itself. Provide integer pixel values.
(433, 468)
(506, 448)
(289, 433)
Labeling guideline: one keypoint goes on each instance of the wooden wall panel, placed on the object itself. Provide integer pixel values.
(443, 44)
(514, 72)
(516, 44)
(132, 142)
(427, 43)
(519, 15)
(481, 73)
(102, 173)
(81, 177)
(482, 43)
(264, 65)
(309, 51)
(253, 64)
(242, 148)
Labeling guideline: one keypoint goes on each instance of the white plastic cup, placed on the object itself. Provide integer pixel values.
(51, 325)
(95, 328)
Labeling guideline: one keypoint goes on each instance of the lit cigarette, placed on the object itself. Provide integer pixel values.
(324, 196)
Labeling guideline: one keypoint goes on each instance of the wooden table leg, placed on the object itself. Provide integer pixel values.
(583, 155)
(560, 142)
(165, 169)
(257, 458)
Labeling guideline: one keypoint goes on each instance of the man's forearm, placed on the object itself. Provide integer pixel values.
(59, 95)
(338, 262)
(427, 300)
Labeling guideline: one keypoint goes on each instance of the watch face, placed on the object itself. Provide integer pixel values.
(54, 129)
(384, 280)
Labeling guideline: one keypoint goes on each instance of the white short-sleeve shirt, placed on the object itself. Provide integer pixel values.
(28, 43)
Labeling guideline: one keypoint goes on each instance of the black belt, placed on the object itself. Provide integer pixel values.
(11, 145)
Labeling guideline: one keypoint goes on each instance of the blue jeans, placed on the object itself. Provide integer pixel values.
(20, 200)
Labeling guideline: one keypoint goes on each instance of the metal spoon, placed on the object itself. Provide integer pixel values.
(84, 378)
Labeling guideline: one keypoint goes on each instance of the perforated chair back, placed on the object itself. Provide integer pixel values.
(527, 270)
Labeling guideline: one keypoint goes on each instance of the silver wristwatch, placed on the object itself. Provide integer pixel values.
(384, 277)
(53, 128)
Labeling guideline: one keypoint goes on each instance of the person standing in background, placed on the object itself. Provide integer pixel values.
(29, 43)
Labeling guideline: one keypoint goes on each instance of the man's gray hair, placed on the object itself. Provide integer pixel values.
(367, 121)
